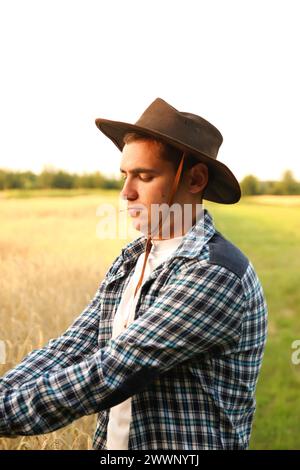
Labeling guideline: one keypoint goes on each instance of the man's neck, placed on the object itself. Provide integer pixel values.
(175, 230)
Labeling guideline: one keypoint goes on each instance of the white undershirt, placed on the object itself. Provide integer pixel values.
(120, 415)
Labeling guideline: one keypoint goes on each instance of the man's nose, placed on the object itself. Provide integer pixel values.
(128, 191)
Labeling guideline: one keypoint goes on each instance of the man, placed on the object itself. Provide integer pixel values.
(169, 350)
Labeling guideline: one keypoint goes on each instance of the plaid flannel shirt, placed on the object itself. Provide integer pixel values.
(190, 359)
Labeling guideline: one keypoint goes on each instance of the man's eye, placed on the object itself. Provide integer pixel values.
(146, 178)
(142, 178)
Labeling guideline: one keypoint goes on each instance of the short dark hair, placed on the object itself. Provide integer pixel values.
(168, 152)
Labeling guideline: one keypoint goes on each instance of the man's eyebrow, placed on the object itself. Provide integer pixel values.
(140, 170)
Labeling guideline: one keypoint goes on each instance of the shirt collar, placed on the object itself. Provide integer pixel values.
(190, 247)
(161, 246)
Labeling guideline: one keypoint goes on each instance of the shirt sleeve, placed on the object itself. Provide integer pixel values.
(199, 311)
(79, 340)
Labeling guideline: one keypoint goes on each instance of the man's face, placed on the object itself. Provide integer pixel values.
(148, 180)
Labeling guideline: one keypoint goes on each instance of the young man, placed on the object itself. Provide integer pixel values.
(169, 350)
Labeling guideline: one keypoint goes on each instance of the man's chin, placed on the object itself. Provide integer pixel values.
(141, 225)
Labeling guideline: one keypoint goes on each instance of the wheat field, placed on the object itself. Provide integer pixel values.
(51, 264)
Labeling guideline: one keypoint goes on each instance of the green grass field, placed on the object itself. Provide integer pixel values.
(269, 234)
(52, 263)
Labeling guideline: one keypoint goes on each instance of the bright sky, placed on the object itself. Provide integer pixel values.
(66, 62)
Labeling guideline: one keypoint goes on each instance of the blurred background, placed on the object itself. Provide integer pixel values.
(63, 64)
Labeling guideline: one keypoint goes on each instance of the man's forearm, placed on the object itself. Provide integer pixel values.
(51, 401)
(56, 399)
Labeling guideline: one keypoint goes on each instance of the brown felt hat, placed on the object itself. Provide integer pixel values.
(187, 132)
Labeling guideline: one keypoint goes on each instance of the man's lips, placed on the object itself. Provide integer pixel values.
(135, 210)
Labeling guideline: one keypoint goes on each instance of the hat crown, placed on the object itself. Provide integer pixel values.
(190, 128)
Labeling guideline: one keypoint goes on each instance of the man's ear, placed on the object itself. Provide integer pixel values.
(198, 178)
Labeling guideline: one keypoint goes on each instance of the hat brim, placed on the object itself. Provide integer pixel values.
(222, 187)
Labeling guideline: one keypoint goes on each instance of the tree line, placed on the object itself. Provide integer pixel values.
(288, 185)
(53, 178)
